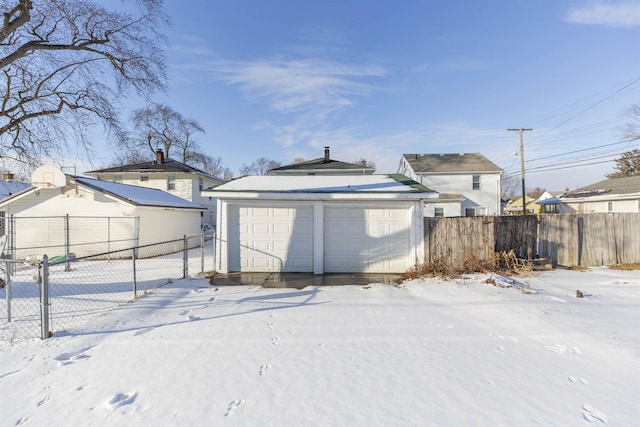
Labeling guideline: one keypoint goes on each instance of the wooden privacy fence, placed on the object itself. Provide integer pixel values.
(569, 240)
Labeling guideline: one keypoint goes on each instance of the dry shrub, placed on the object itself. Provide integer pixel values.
(627, 267)
(503, 262)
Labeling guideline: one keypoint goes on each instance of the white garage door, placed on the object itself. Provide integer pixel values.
(271, 239)
(370, 240)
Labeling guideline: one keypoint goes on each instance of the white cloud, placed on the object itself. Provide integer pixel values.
(609, 13)
(312, 87)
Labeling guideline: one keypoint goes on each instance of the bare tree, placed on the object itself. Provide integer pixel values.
(536, 192)
(212, 165)
(259, 166)
(65, 64)
(158, 126)
(510, 185)
(364, 163)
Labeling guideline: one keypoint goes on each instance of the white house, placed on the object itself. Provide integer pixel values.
(168, 175)
(610, 195)
(468, 183)
(137, 215)
(320, 224)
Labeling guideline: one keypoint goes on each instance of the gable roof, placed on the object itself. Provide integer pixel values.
(139, 196)
(626, 185)
(321, 164)
(451, 163)
(166, 165)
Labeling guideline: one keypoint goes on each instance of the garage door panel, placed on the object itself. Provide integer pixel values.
(367, 239)
(270, 238)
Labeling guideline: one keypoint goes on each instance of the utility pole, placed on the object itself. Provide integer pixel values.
(524, 194)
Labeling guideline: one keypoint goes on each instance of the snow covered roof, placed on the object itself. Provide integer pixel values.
(140, 196)
(349, 185)
(8, 188)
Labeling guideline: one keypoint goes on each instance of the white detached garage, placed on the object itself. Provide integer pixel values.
(320, 224)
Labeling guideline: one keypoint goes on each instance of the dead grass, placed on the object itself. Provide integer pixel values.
(626, 267)
(506, 263)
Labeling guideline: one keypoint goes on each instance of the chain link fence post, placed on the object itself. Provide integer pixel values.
(8, 295)
(202, 253)
(185, 258)
(44, 298)
(135, 281)
(67, 266)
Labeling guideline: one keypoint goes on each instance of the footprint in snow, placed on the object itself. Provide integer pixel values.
(592, 414)
(264, 368)
(275, 340)
(69, 358)
(579, 379)
(121, 399)
(44, 401)
(231, 408)
(143, 331)
(562, 349)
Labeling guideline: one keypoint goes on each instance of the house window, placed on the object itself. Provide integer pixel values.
(476, 182)
(552, 209)
(475, 211)
(2, 224)
(144, 178)
(171, 182)
(200, 184)
(117, 178)
(609, 206)
(438, 212)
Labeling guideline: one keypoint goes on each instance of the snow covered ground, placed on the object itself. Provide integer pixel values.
(428, 352)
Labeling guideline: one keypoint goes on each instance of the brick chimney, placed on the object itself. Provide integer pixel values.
(159, 157)
(326, 154)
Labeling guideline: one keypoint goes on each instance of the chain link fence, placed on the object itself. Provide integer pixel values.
(41, 298)
(30, 237)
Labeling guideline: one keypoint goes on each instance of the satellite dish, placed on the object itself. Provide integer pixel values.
(48, 176)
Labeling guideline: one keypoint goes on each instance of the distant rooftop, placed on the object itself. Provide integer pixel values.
(451, 163)
(322, 166)
(626, 185)
(160, 164)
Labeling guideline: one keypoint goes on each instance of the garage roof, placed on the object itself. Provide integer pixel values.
(139, 196)
(384, 186)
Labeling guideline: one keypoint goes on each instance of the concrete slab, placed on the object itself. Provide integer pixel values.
(302, 280)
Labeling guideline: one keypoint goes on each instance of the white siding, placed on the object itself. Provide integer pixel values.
(156, 224)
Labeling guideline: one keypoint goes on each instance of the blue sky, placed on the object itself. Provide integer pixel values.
(284, 78)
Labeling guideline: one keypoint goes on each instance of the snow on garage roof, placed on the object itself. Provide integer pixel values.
(325, 184)
(140, 196)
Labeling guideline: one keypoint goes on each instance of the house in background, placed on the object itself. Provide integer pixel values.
(610, 195)
(322, 166)
(515, 206)
(9, 187)
(137, 215)
(468, 183)
(168, 175)
(320, 224)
